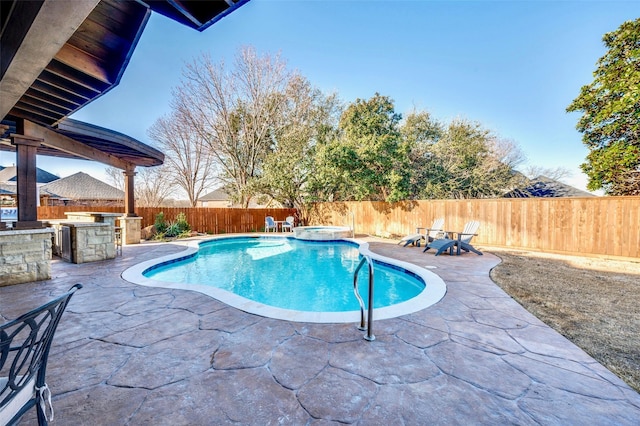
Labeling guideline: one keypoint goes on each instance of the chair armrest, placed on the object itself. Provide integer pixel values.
(426, 230)
(460, 234)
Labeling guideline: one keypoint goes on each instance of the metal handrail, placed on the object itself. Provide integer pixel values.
(353, 224)
(369, 336)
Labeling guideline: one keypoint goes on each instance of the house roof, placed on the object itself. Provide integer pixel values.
(543, 186)
(81, 186)
(7, 188)
(217, 195)
(9, 174)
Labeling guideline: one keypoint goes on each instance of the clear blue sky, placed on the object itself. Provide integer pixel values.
(514, 66)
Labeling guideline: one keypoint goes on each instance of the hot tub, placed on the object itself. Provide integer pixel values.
(322, 233)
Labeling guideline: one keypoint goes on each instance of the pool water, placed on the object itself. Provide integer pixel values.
(290, 274)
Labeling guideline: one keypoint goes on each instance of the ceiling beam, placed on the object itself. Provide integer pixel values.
(66, 144)
(40, 44)
(82, 61)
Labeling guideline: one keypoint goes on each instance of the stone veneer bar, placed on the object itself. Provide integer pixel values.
(25, 255)
(90, 241)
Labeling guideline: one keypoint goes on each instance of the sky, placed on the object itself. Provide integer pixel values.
(513, 66)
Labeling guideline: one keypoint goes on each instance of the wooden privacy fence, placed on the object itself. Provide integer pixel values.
(217, 220)
(202, 219)
(592, 226)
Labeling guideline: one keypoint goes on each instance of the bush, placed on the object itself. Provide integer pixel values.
(182, 224)
(173, 230)
(160, 223)
(179, 228)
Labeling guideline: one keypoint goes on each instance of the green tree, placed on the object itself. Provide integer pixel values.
(307, 118)
(369, 161)
(468, 161)
(420, 132)
(610, 123)
(331, 181)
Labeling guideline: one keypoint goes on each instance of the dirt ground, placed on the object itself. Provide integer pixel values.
(595, 303)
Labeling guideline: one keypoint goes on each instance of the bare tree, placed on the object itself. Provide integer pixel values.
(558, 173)
(235, 110)
(468, 161)
(188, 159)
(116, 178)
(153, 185)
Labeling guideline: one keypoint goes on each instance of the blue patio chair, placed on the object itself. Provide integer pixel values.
(459, 240)
(270, 224)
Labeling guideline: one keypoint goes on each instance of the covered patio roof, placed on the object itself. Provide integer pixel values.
(58, 56)
(79, 140)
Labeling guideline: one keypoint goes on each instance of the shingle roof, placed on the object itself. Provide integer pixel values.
(7, 188)
(543, 186)
(81, 186)
(217, 195)
(8, 174)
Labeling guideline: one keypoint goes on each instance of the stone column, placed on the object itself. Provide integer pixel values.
(131, 229)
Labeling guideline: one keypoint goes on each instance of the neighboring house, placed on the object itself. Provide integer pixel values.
(9, 174)
(220, 199)
(217, 198)
(7, 194)
(543, 186)
(80, 189)
(8, 182)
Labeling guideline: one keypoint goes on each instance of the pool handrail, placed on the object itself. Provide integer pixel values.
(369, 336)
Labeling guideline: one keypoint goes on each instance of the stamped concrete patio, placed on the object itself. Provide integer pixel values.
(131, 355)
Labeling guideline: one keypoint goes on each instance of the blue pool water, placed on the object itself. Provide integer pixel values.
(289, 273)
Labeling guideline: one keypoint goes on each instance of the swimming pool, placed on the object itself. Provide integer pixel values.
(275, 277)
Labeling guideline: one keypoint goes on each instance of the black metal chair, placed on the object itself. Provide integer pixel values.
(24, 349)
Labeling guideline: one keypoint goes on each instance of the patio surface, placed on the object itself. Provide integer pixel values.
(131, 355)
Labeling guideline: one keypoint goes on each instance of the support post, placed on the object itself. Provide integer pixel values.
(129, 193)
(26, 150)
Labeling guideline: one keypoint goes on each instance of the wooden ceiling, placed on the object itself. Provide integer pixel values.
(88, 65)
(58, 55)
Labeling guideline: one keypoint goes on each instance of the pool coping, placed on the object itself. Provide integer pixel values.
(433, 283)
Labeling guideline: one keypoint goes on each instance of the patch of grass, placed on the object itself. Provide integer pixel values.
(592, 302)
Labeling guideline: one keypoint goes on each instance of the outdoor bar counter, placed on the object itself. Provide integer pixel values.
(81, 242)
(25, 255)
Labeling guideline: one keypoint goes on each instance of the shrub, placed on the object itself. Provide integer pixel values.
(182, 224)
(173, 230)
(160, 223)
(179, 228)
